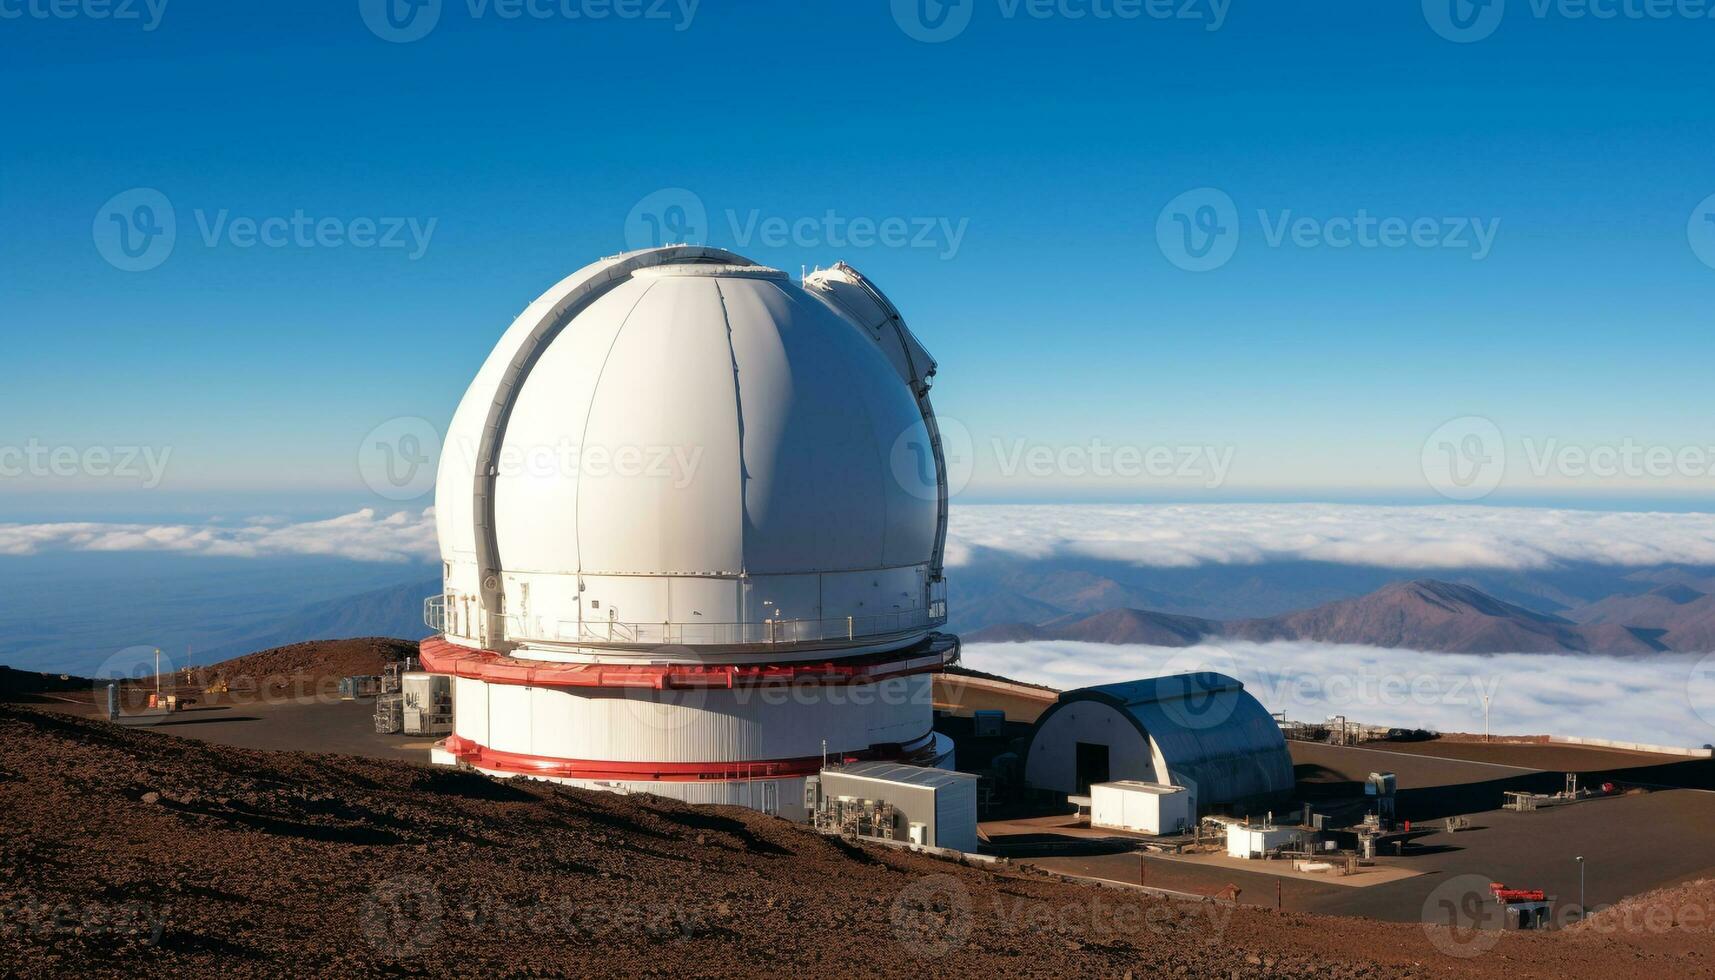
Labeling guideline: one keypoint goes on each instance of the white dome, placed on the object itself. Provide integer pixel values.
(678, 446)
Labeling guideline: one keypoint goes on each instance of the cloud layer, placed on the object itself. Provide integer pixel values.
(1395, 537)
(361, 536)
(1167, 536)
(1667, 700)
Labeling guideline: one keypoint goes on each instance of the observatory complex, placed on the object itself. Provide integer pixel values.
(692, 515)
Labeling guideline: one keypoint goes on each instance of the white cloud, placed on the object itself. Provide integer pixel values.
(362, 536)
(1665, 700)
(1395, 537)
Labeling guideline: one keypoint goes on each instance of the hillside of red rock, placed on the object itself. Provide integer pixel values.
(137, 853)
(317, 660)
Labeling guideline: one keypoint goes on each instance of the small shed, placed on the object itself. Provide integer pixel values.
(938, 807)
(1140, 807)
(1253, 841)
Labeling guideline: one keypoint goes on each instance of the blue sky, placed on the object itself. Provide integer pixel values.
(1052, 143)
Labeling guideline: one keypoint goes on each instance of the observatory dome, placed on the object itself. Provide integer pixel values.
(680, 448)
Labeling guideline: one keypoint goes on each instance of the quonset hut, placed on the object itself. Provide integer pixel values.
(691, 516)
(1199, 730)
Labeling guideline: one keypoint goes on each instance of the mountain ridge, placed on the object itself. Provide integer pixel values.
(1418, 614)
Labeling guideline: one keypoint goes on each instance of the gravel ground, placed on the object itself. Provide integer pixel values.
(135, 852)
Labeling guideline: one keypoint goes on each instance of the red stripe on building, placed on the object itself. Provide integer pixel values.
(441, 657)
(518, 763)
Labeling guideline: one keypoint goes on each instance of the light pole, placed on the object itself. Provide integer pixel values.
(1581, 910)
(1486, 722)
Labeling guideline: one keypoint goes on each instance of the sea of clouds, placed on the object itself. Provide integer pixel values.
(1169, 536)
(1181, 536)
(365, 535)
(1666, 699)
(1661, 700)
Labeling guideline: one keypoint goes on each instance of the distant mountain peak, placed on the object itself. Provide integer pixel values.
(1417, 614)
(1677, 593)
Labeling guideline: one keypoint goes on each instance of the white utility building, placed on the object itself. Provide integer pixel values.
(692, 515)
(1248, 841)
(935, 807)
(1142, 808)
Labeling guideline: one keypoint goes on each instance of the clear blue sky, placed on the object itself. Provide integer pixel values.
(1055, 142)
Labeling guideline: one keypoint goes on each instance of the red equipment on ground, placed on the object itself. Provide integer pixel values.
(1504, 895)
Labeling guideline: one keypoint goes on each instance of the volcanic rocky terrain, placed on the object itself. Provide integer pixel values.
(134, 852)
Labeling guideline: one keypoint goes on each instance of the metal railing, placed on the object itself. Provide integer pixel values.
(768, 632)
(435, 613)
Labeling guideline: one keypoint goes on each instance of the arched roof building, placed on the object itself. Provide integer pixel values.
(1200, 730)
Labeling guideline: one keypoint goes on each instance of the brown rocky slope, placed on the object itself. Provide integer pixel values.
(133, 852)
